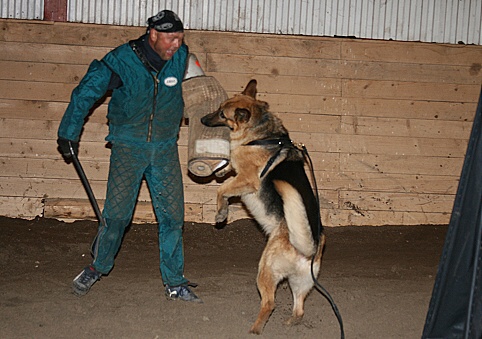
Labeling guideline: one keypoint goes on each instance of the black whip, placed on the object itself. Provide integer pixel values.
(90, 193)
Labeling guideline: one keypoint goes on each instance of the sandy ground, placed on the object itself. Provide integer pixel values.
(381, 279)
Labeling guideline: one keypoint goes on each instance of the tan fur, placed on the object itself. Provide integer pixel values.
(290, 245)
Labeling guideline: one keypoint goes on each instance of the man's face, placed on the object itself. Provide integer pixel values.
(165, 44)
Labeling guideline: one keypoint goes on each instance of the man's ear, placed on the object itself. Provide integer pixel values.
(152, 35)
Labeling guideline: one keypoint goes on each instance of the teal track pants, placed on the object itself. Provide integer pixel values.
(159, 164)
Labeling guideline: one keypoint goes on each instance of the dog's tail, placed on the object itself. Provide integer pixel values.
(299, 230)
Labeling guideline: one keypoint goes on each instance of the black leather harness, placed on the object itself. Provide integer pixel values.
(282, 142)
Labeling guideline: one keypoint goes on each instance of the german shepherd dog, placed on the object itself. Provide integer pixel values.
(272, 183)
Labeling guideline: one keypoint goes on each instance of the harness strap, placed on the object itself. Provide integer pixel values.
(282, 142)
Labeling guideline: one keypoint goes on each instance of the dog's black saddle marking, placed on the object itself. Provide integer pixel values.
(282, 142)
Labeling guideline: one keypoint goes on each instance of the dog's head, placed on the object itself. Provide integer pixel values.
(238, 112)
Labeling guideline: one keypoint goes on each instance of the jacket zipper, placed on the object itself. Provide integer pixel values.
(154, 102)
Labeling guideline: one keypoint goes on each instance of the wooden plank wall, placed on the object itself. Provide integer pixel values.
(386, 123)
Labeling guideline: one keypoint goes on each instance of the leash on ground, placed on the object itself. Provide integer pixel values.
(90, 194)
(318, 286)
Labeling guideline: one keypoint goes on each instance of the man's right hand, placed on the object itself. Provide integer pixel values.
(64, 147)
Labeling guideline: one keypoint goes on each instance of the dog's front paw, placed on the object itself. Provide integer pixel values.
(223, 171)
(221, 216)
(221, 225)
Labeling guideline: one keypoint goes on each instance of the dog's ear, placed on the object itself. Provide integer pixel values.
(263, 105)
(250, 89)
(242, 115)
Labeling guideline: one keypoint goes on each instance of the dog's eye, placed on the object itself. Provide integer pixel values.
(221, 115)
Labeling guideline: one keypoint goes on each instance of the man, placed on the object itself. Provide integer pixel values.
(145, 111)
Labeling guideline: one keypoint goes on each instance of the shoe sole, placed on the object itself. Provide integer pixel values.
(79, 292)
(198, 300)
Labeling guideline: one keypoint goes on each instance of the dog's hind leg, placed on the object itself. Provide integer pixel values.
(267, 283)
(302, 282)
(300, 287)
(267, 289)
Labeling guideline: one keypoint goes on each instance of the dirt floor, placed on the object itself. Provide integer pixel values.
(381, 279)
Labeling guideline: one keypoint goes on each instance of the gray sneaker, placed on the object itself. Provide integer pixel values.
(84, 281)
(182, 292)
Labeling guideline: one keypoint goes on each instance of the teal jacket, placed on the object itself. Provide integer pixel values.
(147, 107)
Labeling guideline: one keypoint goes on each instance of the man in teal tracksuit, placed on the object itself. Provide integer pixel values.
(144, 115)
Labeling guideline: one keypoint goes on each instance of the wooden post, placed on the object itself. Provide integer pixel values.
(55, 10)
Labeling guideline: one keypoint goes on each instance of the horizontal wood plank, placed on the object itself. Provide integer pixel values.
(63, 33)
(369, 70)
(383, 201)
(386, 182)
(45, 110)
(41, 72)
(367, 144)
(263, 45)
(406, 127)
(51, 53)
(282, 85)
(40, 91)
(382, 218)
(274, 66)
(411, 90)
(408, 52)
(20, 207)
(409, 109)
(408, 164)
